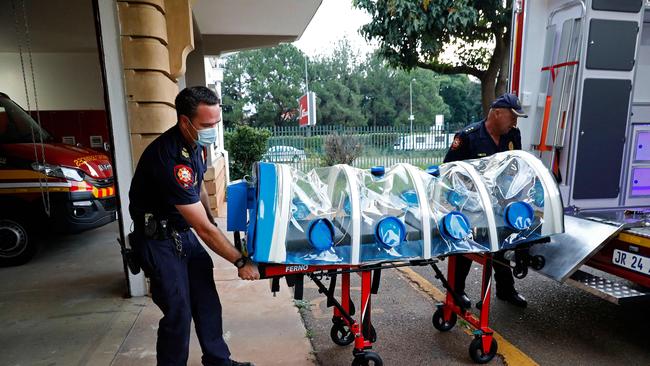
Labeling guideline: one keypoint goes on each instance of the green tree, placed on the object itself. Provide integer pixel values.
(378, 102)
(233, 92)
(463, 98)
(246, 146)
(336, 80)
(387, 95)
(262, 86)
(416, 33)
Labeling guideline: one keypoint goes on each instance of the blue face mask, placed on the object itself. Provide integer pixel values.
(206, 136)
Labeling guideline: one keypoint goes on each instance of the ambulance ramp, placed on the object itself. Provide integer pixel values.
(566, 252)
(583, 237)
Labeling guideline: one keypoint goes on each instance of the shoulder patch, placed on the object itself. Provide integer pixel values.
(184, 176)
(471, 128)
(458, 142)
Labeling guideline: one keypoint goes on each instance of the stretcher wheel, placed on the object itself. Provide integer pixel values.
(367, 358)
(538, 262)
(520, 272)
(476, 351)
(440, 323)
(341, 334)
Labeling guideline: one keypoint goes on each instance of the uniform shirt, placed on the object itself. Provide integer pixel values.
(474, 142)
(169, 173)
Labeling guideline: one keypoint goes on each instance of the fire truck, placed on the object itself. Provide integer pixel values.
(581, 70)
(46, 187)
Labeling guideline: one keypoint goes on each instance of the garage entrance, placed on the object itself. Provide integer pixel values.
(55, 146)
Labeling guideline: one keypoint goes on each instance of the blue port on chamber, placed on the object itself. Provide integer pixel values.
(320, 234)
(455, 226)
(519, 215)
(390, 232)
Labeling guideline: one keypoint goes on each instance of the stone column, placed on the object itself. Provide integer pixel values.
(156, 38)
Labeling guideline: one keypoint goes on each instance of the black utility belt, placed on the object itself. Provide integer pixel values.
(160, 229)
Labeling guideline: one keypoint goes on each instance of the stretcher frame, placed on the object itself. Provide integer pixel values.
(346, 330)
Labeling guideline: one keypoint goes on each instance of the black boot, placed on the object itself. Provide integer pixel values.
(236, 363)
(514, 298)
(465, 302)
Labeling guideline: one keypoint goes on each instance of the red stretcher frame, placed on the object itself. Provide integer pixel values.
(347, 330)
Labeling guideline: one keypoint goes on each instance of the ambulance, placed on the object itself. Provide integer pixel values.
(46, 187)
(581, 70)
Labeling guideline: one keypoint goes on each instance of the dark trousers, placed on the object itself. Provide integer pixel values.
(182, 285)
(505, 283)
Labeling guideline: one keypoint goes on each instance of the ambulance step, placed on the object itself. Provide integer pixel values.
(609, 290)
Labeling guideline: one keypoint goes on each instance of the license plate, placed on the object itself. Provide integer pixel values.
(631, 261)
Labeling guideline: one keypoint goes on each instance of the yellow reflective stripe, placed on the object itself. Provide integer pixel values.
(21, 174)
(32, 190)
(634, 239)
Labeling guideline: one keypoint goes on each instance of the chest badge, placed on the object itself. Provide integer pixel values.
(511, 145)
(184, 176)
(185, 153)
(456, 144)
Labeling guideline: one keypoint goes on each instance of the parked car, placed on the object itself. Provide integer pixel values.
(48, 187)
(283, 154)
(424, 141)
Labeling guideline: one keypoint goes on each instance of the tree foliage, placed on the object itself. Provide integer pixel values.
(262, 85)
(261, 88)
(246, 145)
(416, 33)
(336, 81)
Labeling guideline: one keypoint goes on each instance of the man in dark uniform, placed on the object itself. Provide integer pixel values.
(167, 199)
(497, 133)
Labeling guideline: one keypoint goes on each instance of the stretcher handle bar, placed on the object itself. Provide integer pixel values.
(331, 299)
(356, 269)
(568, 5)
(382, 266)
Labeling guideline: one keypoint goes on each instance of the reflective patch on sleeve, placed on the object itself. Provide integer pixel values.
(457, 143)
(184, 176)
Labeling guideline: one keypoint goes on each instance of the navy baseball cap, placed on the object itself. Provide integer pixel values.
(510, 101)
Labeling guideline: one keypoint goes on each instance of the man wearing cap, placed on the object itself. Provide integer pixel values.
(497, 133)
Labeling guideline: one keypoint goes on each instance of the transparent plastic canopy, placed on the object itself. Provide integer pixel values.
(346, 215)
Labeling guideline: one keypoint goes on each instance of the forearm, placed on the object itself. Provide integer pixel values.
(206, 203)
(215, 240)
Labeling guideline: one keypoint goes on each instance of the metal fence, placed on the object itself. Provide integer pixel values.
(304, 147)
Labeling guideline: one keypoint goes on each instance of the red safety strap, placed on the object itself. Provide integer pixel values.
(547, 107)
(552, 68)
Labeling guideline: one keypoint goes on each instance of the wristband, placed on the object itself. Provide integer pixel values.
(241, 262)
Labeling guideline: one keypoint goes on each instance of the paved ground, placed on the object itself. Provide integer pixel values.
(561, 326)
(67, 307)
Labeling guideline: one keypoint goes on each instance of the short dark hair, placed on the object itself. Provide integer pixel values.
(189, 99)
